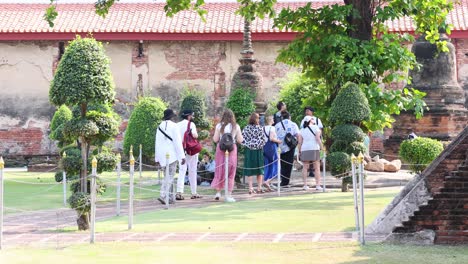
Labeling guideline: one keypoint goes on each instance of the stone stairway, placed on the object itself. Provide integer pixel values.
(446, 213)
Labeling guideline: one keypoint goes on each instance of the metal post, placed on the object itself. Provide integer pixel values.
(64, 183)
(166, 177)
(279, 171)
(226, 174)
(361, 188)
(140, 161)
(2, 166)
(159, 175)
(130, 195)
(93, 198)
(324, 170)
(355, 194)
(119, 171)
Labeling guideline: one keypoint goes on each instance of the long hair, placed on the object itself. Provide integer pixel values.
(228, 118)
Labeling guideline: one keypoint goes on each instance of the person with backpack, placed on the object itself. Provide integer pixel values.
(287, 131)
(309, 112)
(254, 141)
(309, 146)
(270, 154)
(227, 133)
(187, 128)
(281, 106)
(168, 142)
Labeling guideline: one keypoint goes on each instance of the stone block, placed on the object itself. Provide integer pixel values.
(393, 166)
(424, 237)
(375, 166)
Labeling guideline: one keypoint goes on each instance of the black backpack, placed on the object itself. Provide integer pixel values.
(289, 139)
(226, 142)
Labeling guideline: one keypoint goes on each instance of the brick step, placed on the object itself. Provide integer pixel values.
(455, 184)
(432, 225)
(452, 233)
(463, 168)
(461, 219)
(452, 190)
(459, 173)
(451, 240)
(451, 195)
(442, 211)
(456, 179)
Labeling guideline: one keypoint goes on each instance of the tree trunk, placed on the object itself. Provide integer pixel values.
(83, 222)
(344, 185)
(84, 170)
(363, 22)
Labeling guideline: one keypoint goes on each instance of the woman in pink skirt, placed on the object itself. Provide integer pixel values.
(227, 125)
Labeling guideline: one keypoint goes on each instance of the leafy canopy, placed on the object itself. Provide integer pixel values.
(241, 102)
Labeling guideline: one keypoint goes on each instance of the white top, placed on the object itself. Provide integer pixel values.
(290, 127)
(309, 142)
(164, 146)
(228, 129)
(270, 130)
(183, 127)
(317, 120)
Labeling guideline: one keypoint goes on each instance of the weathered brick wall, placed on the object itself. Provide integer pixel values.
(461, 46)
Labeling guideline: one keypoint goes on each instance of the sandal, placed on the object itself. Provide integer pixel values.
(268, 188)
(179, 197)
(252, 191)
(260, 191)
(195, 196)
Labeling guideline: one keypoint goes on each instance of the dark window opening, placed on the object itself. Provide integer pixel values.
(61, 47)
(140, 49)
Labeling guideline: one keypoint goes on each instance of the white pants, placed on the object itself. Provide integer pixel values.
(191, 162)
(167, 182)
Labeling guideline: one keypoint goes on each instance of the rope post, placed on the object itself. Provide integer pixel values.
(93, 198)
(64, 183)
(119, 171)
(361, 189)
(324, 170)
(140, 160)
(226, 174)
(355, 194)
(130, 195)
(166, 178)
(2, 166)
(279, 171)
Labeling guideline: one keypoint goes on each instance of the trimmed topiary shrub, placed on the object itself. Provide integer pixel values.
(339, 146)
(195, 100)
(81, 202)
(348, 133)
(420, 152)
(355, 148)
(60, 118)
(350, 106)
(142, 125)
(241, 102)
(72, 162)
(100, 186)
(339, 163)
(59, 177)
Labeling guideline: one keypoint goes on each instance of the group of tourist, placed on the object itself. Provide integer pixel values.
(260, 153)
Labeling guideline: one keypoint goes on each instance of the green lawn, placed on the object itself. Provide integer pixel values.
(227, 253)
(42, 192)
(317, 212)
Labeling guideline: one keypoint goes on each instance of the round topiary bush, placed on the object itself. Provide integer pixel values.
(420, 152)
(339, 146)
(355, 148)
(72, 162)
(241, 102)
(339, 163)
(100, 186)
(142, 125)
(350, 106)
(61, 117)
(348, 133)
(195, 100)
(81, 202)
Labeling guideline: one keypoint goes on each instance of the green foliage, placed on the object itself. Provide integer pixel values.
(347, 133)
(355, 148)
(80, 127)
(350, 106)
(81, 202)
(339, 163)
(144, 120)
(83, 75)
(60, 118)
(195, 100)
(339, 146)
(59, 177)
(107, 161)
(100, 186)
(107, 124)
(241, 102)
(72, 163)
(420, 152)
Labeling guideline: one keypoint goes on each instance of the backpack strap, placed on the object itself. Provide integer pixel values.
(267, 135)
(283, 125)
(311, 130)
(188, 125)
(164, 133)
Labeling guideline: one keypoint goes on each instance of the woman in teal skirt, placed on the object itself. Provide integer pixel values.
(253, 157)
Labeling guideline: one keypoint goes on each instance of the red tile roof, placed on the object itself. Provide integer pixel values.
(144, 18)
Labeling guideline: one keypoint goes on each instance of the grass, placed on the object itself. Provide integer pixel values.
(317, 212)
(226, 253)
(40, 190)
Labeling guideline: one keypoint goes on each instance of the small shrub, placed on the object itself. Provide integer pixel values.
(339, 146)
(144, 120)
(59, 177)
(61, 117)
(72, 162)
(350, 106)
(195, 100)
(339, 163)
(348, 133)
(355, 148)
(81, 202)
(241, 102)
(419, 152)
(100, 186)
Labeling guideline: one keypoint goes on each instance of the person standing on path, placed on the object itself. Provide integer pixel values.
(270, 154)
(254, 140)
(287, 154)
(281, 106)
(191, 161)
(168, 142)
(309, 147)
(309, 113)
(227, 125)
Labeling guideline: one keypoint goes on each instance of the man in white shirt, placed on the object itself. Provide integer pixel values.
(191, 160)
(309, 112)
(168, 150)
(287, 154)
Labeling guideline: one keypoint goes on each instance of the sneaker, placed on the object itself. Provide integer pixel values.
(230, 200)
(318, 188)
(305, 187)
(217, 196)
